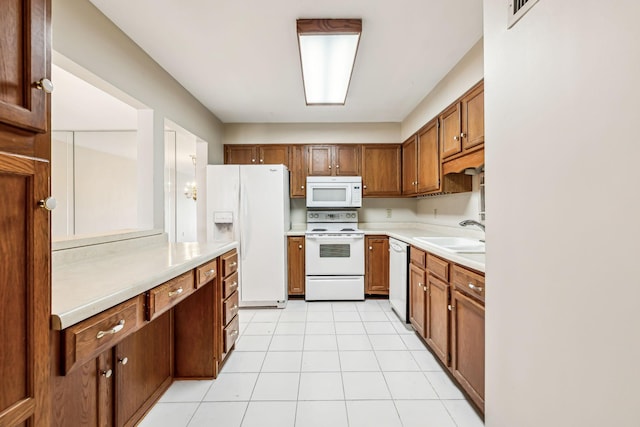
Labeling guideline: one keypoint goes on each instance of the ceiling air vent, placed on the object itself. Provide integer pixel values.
(517, 9)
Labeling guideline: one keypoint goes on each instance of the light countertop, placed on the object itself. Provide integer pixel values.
(408, 232)
(85, 286)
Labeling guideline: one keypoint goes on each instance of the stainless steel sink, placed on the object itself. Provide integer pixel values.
(456, 244)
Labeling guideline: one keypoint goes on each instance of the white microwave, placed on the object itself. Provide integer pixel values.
(334, 191)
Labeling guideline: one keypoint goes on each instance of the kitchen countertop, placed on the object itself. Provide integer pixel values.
(408, 232)
(85, 286)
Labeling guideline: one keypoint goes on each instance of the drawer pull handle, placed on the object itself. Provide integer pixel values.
(233, 333)
(451, 307)
(176, 292)
(107, 373)
(117, 328)
(123, 360)
(234, 285)
(475, 288)
(210, 272)
(233, 264)
(235, 307)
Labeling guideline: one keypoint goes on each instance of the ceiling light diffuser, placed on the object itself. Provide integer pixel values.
(328, 50)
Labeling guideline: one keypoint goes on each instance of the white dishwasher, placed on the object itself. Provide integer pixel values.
(398, 284)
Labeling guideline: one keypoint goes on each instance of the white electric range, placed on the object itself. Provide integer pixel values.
(334, 256)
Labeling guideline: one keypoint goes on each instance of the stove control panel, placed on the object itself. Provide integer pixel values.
(332, 216)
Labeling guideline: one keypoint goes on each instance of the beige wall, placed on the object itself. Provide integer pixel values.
(467, 72)
(562, 98)
(311, 133)
(84, 36)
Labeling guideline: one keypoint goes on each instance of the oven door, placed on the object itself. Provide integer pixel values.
(334, 254)
(329, 195)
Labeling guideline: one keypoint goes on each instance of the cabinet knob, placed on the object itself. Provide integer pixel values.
(419, 285)
(475, 288)
(329, 166)
(261, 160)
(364, 187)
(49, 203)
(302, 187)
(337, 166)
(123, 360)
(107, 373)
(370, 248)
(463, 135)
(451, 307)
(44, 85)
(253, 160)
(456, 138)
(299, 246)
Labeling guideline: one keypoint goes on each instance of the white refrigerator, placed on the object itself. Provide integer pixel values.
(250, 204)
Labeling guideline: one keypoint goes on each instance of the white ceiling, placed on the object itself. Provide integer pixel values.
(240, 57)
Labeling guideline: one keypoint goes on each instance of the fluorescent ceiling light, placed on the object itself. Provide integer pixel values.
(328, 50)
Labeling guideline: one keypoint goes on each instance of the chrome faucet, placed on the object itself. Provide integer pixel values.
(471, 222)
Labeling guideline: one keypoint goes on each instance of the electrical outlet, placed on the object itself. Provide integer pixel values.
(389, 213)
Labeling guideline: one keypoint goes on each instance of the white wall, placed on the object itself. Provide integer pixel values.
(450, 209)
(311, 133)
(83, 35)
(562, 99)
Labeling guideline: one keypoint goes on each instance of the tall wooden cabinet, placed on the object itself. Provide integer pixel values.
(409, 166)
(25, 143)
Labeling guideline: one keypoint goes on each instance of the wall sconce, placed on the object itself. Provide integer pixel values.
(190, 188)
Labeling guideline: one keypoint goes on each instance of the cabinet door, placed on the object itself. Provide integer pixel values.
(428, 159)
(417, 296)
(450, 131)
(320, 160)
(473, 118)
(381, 170)
(346, 160)
(84, 396)
(24, 291)
(23, 57)
(409, 166)
(143, 369)
(295, 255)
(297, 170)
(273, 155)
(467, 342)
(376, 265)
(437, 325)
(240, 155)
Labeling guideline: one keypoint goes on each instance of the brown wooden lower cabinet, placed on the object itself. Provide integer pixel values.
(417, 297)
(295, 261)
(376, 261)
(450, 317)
(467, 342)
(121, 384)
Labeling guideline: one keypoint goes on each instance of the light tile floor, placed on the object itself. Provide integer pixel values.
(338, 364)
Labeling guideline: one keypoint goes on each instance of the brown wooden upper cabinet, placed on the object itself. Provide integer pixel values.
(271, 154)
(462, 124)
(23, 79)
(333, 160)
(420, 161)
(409, 166)
(298, 170)
(381, 170)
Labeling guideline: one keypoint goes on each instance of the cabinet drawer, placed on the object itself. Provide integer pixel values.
(229, 263)
(163, 297)
(206, 272)
(438, 267)
(85, 340)
(231, 335)
(230, 285)
(469, 282)
(230, 308)
(418, 257)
